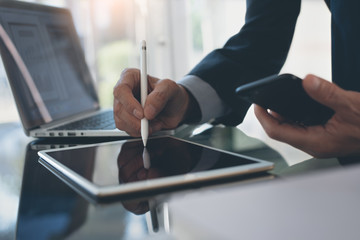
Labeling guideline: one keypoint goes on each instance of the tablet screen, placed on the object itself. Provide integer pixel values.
(128, 161)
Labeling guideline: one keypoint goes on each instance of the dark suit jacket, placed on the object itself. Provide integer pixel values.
(261, 47)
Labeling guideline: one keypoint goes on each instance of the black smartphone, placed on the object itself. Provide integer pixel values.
(285, 95)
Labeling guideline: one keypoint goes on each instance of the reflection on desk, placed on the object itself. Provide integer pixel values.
(50, 209)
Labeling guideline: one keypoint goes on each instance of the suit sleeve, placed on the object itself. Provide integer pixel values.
(258, 50)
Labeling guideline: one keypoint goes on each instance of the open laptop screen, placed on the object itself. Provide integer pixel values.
(46, 39)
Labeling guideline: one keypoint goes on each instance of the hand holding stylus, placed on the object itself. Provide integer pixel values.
(167, 104)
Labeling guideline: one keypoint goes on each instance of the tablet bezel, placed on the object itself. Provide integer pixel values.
(98, 193)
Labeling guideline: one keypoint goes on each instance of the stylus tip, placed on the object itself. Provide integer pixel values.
(144, 141)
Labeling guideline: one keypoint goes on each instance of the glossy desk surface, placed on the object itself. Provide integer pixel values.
(35, 204)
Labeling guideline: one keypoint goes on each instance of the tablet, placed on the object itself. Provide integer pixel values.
(113, 169)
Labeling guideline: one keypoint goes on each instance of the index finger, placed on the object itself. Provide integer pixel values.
(126, 91)
(297, 136)
(130, 77)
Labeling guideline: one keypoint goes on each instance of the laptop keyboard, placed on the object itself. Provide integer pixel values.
(102, 121)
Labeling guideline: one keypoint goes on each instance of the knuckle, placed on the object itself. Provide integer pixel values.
(115, 91)
(119, 110)
(122, 87)
(128, 71)
(353, 104)
(125, 74)
(116, 107)
(160, 96)
(119, 123)
(119, 89)
(330, 93)
(167, 86)
(169, 83)
(330, 90)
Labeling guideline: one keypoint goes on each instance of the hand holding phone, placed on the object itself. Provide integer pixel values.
(285, 95)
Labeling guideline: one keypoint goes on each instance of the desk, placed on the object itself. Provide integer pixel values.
(35, 204)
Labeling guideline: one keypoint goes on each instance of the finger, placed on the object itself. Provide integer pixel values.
(125, 92)
(131, 127)
(324, 92)
(128, 123)
(159, 97)
(123, 95)
(294, 135)
(131, 77)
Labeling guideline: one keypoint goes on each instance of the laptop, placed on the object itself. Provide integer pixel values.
(48, 45)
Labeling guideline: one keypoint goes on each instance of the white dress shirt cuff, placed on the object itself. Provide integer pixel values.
(211, 106)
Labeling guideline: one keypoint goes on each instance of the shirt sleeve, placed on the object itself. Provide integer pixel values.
(211, 105)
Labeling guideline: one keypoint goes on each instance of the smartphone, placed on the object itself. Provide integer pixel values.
(285, 95)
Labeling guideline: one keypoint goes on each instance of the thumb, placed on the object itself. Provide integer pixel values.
(324, 91)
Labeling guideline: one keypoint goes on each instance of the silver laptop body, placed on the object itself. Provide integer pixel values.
(46, 40)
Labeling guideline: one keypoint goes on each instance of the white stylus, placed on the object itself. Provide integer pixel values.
(143, 91)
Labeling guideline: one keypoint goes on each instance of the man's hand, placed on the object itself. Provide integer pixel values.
(340, 136)
(166, 105)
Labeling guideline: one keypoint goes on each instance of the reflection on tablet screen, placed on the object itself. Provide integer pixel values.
(123, 162)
